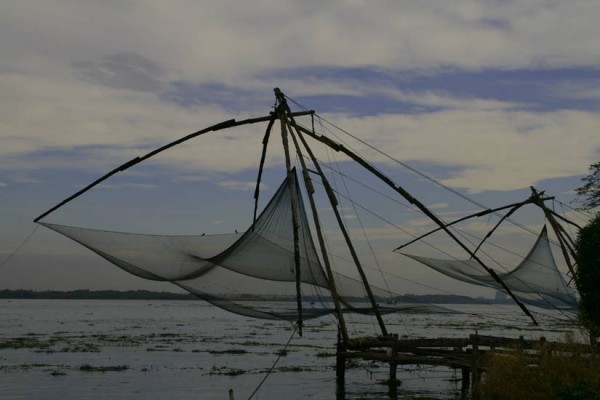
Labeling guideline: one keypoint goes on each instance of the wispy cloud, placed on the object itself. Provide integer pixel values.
(438, 206)
(190, 178)
(122, 71)
(238, 185)
(131, 185)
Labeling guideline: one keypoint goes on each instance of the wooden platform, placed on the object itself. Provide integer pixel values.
(467, 354)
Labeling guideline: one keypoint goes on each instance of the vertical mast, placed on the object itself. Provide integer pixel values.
(333, 201)
(339, 147)
(291, 179)
(539, 201)
(331, 280)
(263, 156)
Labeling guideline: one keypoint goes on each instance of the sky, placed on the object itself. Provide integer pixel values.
(486, 97)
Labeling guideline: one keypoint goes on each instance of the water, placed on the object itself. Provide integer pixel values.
(191, 350)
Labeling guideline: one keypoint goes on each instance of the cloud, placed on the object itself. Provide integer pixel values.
(23, 179)
(191, 178)
(438, 206)
(429, 98)
(238, 185)
(482, 95)
(496, 149)
(228, 41)
(122, 71)
(133, 185)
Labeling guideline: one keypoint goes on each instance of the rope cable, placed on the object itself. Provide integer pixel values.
(405, 165)
(281, 353)
(19, 246)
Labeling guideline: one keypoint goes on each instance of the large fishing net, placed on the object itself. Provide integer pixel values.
(535, 281)
(252, 273)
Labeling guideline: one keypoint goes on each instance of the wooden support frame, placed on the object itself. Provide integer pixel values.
(333, 201)
(339, 147)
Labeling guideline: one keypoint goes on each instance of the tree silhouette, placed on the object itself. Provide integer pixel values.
(589, 193)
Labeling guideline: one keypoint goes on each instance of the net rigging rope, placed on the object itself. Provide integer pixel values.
(405, 165)
(359, 220)
(11, 255)
(330, 155)
(463, 234)
(281, 353)
(454, 229)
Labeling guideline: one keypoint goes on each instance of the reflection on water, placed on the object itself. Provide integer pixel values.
(100, 349)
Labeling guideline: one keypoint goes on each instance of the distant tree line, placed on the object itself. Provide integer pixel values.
(94, 295)
(149, 295)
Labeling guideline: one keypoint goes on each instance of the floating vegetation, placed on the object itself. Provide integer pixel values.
(226, 371)
(58, 373)
(27, 342)
(323, 354)
(251, 343)
(82, 348)
(89, 368)
(7, 368)
(230, 351)
(295, 369)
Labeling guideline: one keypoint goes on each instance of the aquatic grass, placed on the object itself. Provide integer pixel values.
(81, 348)
(89, 368)
(230, 351)
(323, 354)
(58, 373)
(226, 371)
(564, 371)
(28, 342)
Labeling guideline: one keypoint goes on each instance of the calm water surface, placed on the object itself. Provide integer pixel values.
(105, 349)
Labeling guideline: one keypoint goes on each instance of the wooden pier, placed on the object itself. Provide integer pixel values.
(467, 355)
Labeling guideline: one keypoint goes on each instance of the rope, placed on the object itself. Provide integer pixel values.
(281, 353)
(19, 247)
(414, 170)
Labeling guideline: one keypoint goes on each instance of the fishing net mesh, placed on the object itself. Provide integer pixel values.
(535, 281)
(251, 273)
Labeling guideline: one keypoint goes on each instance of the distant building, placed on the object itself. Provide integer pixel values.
(502, 298)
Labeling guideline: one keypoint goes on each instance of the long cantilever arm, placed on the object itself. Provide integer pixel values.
(339, 147)
(222, 125)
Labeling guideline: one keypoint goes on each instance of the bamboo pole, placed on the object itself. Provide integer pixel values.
(294, 193)
(338, 147)
(217, 127)
(334, 203)
(263, 156)
(555, 226)
(331, 281)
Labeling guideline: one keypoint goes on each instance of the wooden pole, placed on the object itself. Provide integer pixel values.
(294, 199)
(393, 364)
(217, 127)
(340, 366)
(339, 147)
(465, 383)
(475, 359)
(340, 359)
(331, 281)
(263, 156)
(555, 227)
(333, 201)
